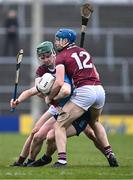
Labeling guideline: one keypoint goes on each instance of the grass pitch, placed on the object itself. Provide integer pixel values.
(84, 160)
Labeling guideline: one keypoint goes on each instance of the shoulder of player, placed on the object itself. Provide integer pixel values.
(41, 70)
(60, 56)
(41, 67)
(74, 48)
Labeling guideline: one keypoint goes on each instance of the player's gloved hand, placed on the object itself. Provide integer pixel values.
(13, 103)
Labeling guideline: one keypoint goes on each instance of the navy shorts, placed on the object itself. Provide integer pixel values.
(81, 123)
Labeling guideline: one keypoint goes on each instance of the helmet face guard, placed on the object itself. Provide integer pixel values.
(68, 34)
(44, 55)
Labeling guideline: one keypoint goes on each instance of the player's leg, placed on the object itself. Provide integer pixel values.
(71, 131)
(97, 127)
(75, 129)
(25, 151)
(51, 147)
(39, 137)
(38, 125)
(100, 133)
(47, 157)
(61, 125)
(42, 120)
(80, 101)
(91, 135)
(26, 147)
(101, 136)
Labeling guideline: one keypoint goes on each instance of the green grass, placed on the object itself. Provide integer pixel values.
(84, 160)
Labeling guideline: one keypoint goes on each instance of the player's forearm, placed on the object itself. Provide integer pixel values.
(59, 96)
(27, 93)
(55, 90)
(64, 92)
(59, 81)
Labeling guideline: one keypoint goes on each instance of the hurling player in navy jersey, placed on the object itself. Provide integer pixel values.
(88, 93)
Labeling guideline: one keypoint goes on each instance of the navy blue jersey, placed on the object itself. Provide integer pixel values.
(62, 102)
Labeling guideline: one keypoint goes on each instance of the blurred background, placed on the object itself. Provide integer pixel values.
(109, 39)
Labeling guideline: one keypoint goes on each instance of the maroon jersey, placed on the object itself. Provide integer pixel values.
(44, 69)
(78, 66)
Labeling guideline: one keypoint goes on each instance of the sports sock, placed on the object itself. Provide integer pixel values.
(62, 158)
(21, 159)
(108, 151)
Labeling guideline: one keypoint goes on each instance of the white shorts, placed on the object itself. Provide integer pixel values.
(52, 110)
(89, 96)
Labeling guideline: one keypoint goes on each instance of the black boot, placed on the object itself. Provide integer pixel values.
(41, 162)
(17, 164)
(112, 160)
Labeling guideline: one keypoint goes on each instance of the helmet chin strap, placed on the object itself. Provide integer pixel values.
(62, 42)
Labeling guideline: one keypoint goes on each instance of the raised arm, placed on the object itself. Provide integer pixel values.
(23, 96)
(60, 71)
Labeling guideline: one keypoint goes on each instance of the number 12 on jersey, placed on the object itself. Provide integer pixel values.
(84, 63)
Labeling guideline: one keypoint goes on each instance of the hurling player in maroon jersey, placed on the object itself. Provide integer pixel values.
(32, 146)
(46, 56)
(88, 93)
